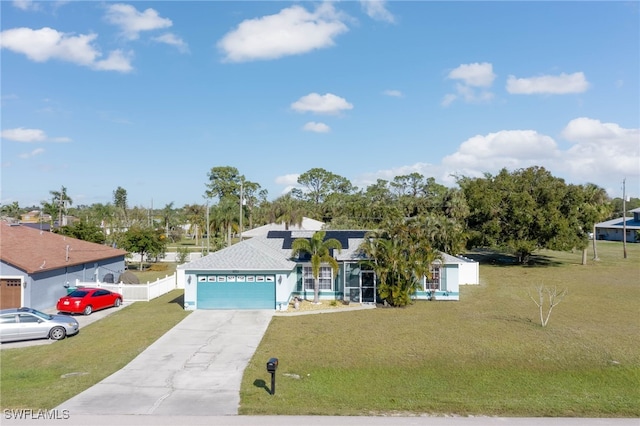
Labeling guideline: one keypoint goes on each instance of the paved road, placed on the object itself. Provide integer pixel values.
(152, 420)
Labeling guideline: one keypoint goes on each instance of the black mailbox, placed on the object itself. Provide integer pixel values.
(272, 365)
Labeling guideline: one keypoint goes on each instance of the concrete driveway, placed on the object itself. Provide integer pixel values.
(195, 369)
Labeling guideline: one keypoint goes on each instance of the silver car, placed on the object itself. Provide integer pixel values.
(27, 323)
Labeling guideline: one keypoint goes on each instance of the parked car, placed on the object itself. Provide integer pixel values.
(28, 323)
(86, 300)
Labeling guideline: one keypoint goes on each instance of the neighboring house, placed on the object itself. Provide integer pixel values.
(35, 216)
(36, 267)
(613, 230)
(259, 273)
(307, 224)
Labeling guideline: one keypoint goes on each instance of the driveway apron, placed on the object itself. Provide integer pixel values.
(194, 369)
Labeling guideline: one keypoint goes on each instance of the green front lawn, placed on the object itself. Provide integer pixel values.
(33, 377)
(484, 355)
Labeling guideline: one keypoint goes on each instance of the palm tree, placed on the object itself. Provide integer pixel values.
(61, 200)
(225, 216)
(596, 208)
(319, 249)
(400, 255)
(287, 210)
(167, 214)
(195, 215)
(11, 210)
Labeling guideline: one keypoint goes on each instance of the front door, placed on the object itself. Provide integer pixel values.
(368, 286)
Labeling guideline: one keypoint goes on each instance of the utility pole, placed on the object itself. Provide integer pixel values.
(241, 211)
(624, 218)
(208, 229)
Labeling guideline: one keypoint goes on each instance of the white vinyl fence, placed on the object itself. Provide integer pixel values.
(137, 292)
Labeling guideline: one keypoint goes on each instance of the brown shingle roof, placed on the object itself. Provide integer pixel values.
(34, 251)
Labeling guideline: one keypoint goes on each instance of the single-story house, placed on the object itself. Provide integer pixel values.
(37, 267)
(613, 230)
(259, 273)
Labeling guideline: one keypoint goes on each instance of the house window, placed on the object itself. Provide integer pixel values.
(325, 278)
(434, 282)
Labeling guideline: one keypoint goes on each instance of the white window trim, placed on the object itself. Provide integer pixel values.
(308, 275)
(428, 284)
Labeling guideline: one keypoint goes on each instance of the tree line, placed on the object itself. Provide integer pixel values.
(520, 211)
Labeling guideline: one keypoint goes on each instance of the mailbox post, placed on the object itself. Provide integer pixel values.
(272, 366)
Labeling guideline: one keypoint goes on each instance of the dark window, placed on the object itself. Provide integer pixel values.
(28, 318)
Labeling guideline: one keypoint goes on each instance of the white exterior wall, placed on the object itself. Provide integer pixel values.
(284, 288)
(469, 273)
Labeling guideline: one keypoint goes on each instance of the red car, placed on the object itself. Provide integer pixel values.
(86, 300)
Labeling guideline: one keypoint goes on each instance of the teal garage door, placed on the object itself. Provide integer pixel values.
(216, 293)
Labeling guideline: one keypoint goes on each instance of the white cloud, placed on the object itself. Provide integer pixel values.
(448, 99)
(548, 84)
(393, 93)
(132, 22)
(602, 153)
(26, 5)
(21, 134)
(473, 83)
(312, 126)
(291, 179)
(33, 153)
(46, 44)
(173, 40)
(601, 150)
(512, 149)
(116, 61)
(321, 104)
(377, 9)
(474, 75)
(292, 31)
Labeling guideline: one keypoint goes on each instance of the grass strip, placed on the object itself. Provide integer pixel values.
(42, 377)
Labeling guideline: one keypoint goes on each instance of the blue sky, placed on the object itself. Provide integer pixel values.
(149, 96)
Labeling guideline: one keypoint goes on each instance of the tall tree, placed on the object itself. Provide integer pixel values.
(319, 183)
(62, 200)
(223, 182)
(225, 217)
(120, 203)
(287, 210)
(195, 214)
(167, 215)
(595, 207)
(523, 211)
(320, 251)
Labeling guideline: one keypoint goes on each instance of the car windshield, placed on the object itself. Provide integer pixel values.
(37, 313)
(78, 293)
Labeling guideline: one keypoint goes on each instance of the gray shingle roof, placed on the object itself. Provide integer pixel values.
(268, 254)
(255, 254)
